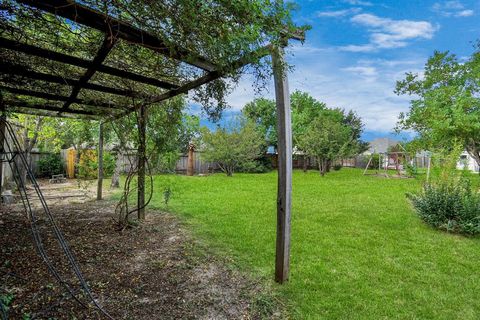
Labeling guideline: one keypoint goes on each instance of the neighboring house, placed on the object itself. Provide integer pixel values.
(466, 162)
(380, 145)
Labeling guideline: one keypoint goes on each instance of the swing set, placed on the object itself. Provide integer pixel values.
(395, 159)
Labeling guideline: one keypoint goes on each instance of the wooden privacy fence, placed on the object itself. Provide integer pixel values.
(127, 160)
(200, 166)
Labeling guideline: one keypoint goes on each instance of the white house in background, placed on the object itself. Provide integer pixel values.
(467, 162)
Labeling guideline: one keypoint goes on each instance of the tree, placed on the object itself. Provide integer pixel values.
(305, 109)
(262, 112)
(356, 145)
(446, 105)
(233, 146)
(169, 130)
(326, 139)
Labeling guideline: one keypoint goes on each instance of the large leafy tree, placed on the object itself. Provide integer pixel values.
(445, 109)
(236, 145)
(304, 109)
(326, 138)
(262, 112)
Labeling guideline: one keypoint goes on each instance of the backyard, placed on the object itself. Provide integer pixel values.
(191, 159)
(358, 249)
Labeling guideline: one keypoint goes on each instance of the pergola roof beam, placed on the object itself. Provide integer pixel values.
(211, 76)
(102, 53)
(56, 97)
(21, 71)
(94, 19)
(23, 104)
(78, 62)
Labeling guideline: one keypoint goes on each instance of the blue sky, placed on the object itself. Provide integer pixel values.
(358, 49)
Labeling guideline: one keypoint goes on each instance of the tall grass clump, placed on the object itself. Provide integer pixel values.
(449, 201)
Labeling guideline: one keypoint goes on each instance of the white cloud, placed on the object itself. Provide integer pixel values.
(364, 71)
(386, 33)
(366, 86)
(465, 13)
(452, 9)
(358, 2)
(338, 13)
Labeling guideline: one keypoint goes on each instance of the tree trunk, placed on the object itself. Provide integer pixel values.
(116, 173)
(142, 124)
(475, 153)
(305, 163)
(321, 166)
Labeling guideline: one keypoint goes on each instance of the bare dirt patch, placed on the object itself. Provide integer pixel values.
(153, 271)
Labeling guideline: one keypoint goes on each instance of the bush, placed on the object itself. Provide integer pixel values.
(50, 165)
(88, 164)
(260, 165)
(337, 167)
(109, 162)
(411, 170)
(375, 161)
(450, 206)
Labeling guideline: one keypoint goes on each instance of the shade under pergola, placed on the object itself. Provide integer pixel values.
(105, 59)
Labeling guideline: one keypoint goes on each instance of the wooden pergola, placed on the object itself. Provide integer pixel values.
(42, 91)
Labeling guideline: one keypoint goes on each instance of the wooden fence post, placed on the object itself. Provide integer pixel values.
(191, 160)
(284, 193)
(142, 119)
(100, 162)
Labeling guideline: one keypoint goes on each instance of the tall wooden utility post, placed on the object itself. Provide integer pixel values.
(142, 159)
(284, 193)
(100, 162)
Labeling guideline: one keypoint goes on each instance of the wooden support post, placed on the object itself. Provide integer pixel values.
(191, 160)
(284, 195)
(3, 119)
(142, 123)
(100, 162)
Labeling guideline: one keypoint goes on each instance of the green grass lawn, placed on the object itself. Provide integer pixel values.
(358, 250)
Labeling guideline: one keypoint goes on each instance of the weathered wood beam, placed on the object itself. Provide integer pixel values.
(211, 76)
(55, 114)
(100, 162)
(97, 20)
(78, 62)
(284, 192)
(142, 159)
(18, 70)
(56, 97)
(33, 106)
(3, 119)
(102, 53)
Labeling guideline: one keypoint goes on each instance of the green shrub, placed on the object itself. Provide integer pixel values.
(109, 162)
(337, 167)
(256, 166)
(88, 164)
(411, 170)
(450, 206)
(375, 161)
(50, 164)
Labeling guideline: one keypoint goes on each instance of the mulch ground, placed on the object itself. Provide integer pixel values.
(153, 271)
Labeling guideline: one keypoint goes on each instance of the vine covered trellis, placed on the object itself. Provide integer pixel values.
(105, 59)
(85, 58)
